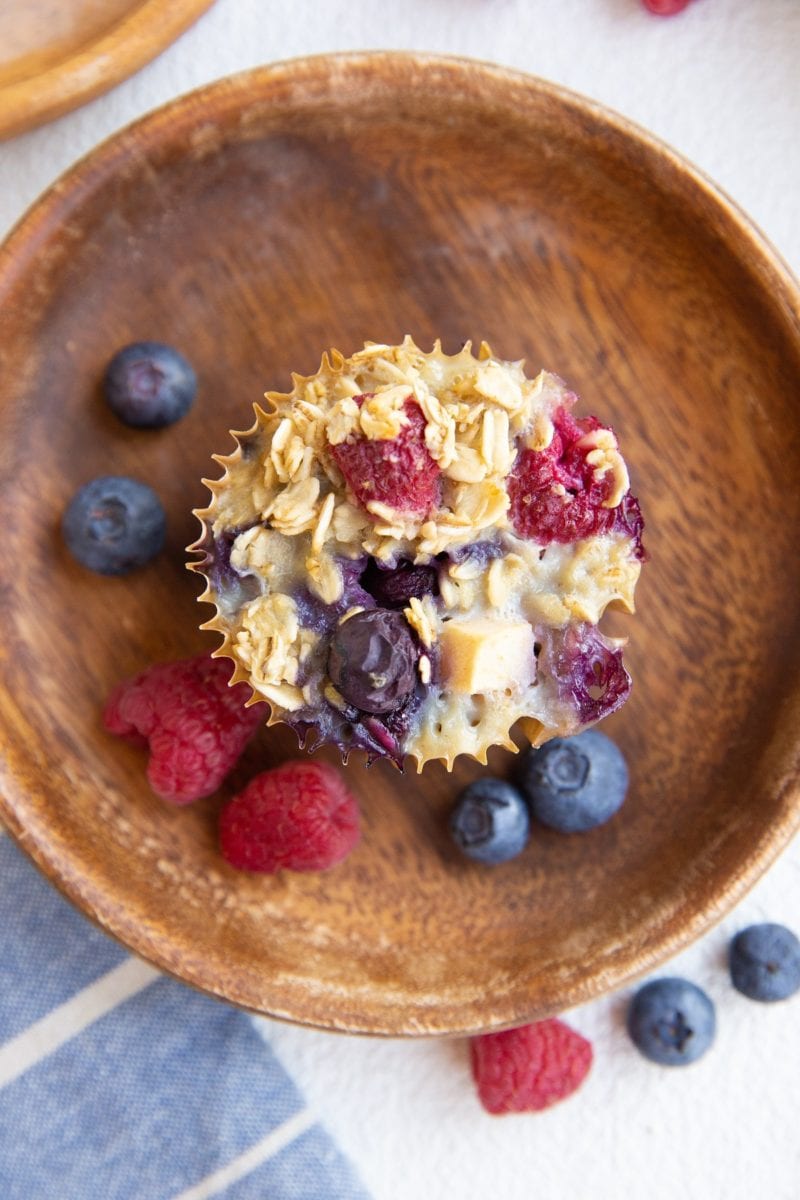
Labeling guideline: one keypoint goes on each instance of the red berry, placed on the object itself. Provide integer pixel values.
(555, 496)
(299, 816)
(195, 724)
(666, 8)
(398, 472)
(529, 1068)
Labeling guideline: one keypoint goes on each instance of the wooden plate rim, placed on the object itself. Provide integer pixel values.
(97, 66)
(172, 119)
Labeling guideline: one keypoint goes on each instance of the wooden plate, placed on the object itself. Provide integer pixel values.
(320, 203)
(57, 54)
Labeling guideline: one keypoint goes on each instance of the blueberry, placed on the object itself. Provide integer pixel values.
(372, 660)
(490, 821)
(114, 524)
(393, 587)
(671, 1022)
(149, 385)
(764, 962)
(574, 784)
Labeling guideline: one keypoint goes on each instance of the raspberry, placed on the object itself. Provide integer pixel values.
(195, 724)
(529, 1068)
(666, 8)
(398, 472)
(299, 816)
(556, 498)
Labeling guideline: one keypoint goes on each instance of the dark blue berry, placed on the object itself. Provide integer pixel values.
(573, 784)
(114, 524)
(149, 385)
(372, 660)
(765, 962)
(671, 1021)
(490, 821)
(393, 587)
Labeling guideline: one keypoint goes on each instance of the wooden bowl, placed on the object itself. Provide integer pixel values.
(57, 54)
(319, 203)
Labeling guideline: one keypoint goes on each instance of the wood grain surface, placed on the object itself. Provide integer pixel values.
(57, 54)
(322, 203)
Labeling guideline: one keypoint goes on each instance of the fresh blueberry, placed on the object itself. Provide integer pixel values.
(114, 524)
(149, 385)
(372, 660)
(765, 962)
(573, 784)
(490, 821)
(671, 1022)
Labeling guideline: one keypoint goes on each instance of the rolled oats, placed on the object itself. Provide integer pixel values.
(343, 420)
(382, 415)
(323, 522)
(269, 643)
(349, 523)
(606, 459)
(470, 568)
(467, 466)
(497, 583)
(325, 577)
(495, 382)
(423, 617)
(293, 510)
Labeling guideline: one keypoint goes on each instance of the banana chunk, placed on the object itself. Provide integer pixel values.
(487, 656)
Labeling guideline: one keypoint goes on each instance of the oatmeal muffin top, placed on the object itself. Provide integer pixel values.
(410, 552)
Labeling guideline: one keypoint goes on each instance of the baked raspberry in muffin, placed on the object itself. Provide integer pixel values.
(410, 552)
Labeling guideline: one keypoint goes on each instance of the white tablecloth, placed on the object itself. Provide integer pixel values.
(721, 83)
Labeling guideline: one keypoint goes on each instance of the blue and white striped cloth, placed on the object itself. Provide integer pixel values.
(117, 1083)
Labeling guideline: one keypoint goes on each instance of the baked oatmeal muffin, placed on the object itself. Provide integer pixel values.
(409, 554)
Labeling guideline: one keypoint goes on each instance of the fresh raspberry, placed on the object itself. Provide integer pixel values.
(556, 498)
(529, 1068)
(666, 8)
(195, 724)
(299, 816)
(398, 472)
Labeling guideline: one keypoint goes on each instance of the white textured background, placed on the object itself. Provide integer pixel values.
(721, 83)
